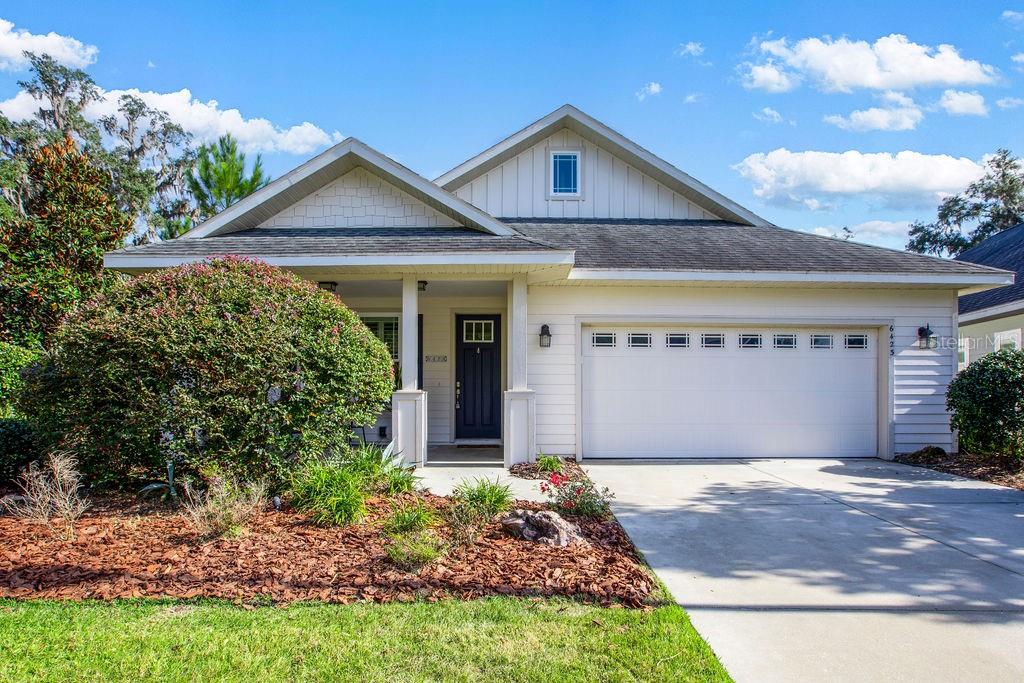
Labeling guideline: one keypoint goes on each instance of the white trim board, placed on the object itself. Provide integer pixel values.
(984, 314)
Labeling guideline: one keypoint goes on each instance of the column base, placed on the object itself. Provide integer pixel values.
(409, 425)
(520, 438)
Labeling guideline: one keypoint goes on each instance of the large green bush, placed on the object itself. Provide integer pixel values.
(228, 365)
(986, 400)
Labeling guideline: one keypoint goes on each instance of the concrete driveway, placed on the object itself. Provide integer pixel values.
(857, 570)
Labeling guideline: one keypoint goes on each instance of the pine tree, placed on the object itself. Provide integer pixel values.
(218, 179)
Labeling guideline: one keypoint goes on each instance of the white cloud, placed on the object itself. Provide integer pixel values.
(649, 90)
(1009, 102)
(693, 98)
(960, 103)
(768, 77)
(150, 64)
(690, 49)
(882, 233)
(899, 113)
(1017, 58)
(768, 115)
(841, 65)
(64, 49)
(812, 178)
(205, 120)
(1013, 18)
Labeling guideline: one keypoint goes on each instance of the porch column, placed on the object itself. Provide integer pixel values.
(520, 404)
(409, 404)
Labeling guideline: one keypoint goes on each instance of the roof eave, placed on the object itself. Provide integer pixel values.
(959, 281)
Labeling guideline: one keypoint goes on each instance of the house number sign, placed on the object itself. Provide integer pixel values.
(435, 359)
(892, 340)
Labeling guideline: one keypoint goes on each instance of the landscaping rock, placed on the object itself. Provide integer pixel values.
(541, 526)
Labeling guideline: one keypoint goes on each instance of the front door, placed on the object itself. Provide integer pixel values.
(477, 377)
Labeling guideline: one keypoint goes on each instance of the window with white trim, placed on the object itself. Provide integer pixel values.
(855, 341)
(750, 341)
(478, 331)
(785, 340)
(565, 173)
(677, 340)
(602, 340)
(712, 340)
(820, 342)
(385, 328)
(1010, 339)
(639, 340)
(961, 354)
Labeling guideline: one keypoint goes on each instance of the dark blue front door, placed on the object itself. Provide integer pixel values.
(477, 377)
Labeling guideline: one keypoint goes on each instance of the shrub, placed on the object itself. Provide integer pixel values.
(231, 365)
(415, 549)
(225, 507)
(18, 447)
(577, 497)
(489, 497)
(409, 518)
(465, 522)
(13, 359)
(549, 463)
(51, 493)
(986, 400)
(332, 493)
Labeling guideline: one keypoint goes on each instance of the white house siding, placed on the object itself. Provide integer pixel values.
(359, 199)
(919, 377)
(438, 340)
(979, 338)
(611, 187)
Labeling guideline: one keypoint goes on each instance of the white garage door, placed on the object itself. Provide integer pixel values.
(654, 392)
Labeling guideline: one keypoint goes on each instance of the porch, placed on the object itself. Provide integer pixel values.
(460, 352)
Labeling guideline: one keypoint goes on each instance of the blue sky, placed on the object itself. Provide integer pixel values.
(758, 100)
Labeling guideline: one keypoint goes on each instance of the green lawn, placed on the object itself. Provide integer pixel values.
(495, 639)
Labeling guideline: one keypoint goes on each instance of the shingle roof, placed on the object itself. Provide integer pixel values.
(719, 245)
(336, 241)
(1003, 250)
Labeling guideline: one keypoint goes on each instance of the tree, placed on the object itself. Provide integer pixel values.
(218, 179)
(51, 258)
(989, 205)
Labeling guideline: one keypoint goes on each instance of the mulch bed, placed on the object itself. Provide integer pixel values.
(528, 470)
(124, 551)
(983, 467)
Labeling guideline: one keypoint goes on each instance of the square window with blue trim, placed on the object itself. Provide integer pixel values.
(565, 173)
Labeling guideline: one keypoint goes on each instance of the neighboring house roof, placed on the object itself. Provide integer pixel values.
(589, 128)
(700, 245)
(1003, 250)
(328, 166)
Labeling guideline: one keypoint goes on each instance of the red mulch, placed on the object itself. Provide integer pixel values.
(529, 470)
(993, 469)
(129, 552)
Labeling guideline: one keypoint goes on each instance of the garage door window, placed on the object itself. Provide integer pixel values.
(750, 341)
(677, 340)
(856, 341)
(784, 341)
(603, 340)
(821, 341)
(639, 340)
(712, 340)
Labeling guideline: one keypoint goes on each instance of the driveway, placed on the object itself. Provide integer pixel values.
(834, 570)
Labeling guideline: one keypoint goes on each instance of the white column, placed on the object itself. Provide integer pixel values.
(519, 405)
(409, 404)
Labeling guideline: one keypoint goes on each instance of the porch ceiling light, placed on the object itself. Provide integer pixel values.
(925, 337)
(545, 336)
(421, 285)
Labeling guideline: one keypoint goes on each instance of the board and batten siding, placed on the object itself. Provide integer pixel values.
(359, 199)
(612, 188)
(919, 377)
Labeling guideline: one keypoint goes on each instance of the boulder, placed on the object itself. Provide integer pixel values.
(543, 526)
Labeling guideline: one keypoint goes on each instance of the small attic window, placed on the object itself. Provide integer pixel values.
(565, 173)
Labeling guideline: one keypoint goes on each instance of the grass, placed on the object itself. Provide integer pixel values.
(490, 497)
(497, 639)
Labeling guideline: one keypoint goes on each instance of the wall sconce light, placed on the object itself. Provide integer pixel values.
(331, 287)
(421, 285)
(925, 337)
(545, 336)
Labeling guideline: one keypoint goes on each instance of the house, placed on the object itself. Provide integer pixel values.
(567, 291)
(993, 319)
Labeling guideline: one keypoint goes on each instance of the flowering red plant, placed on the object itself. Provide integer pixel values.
(578, 498)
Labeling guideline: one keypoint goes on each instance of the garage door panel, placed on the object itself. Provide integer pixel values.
(728, 402)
